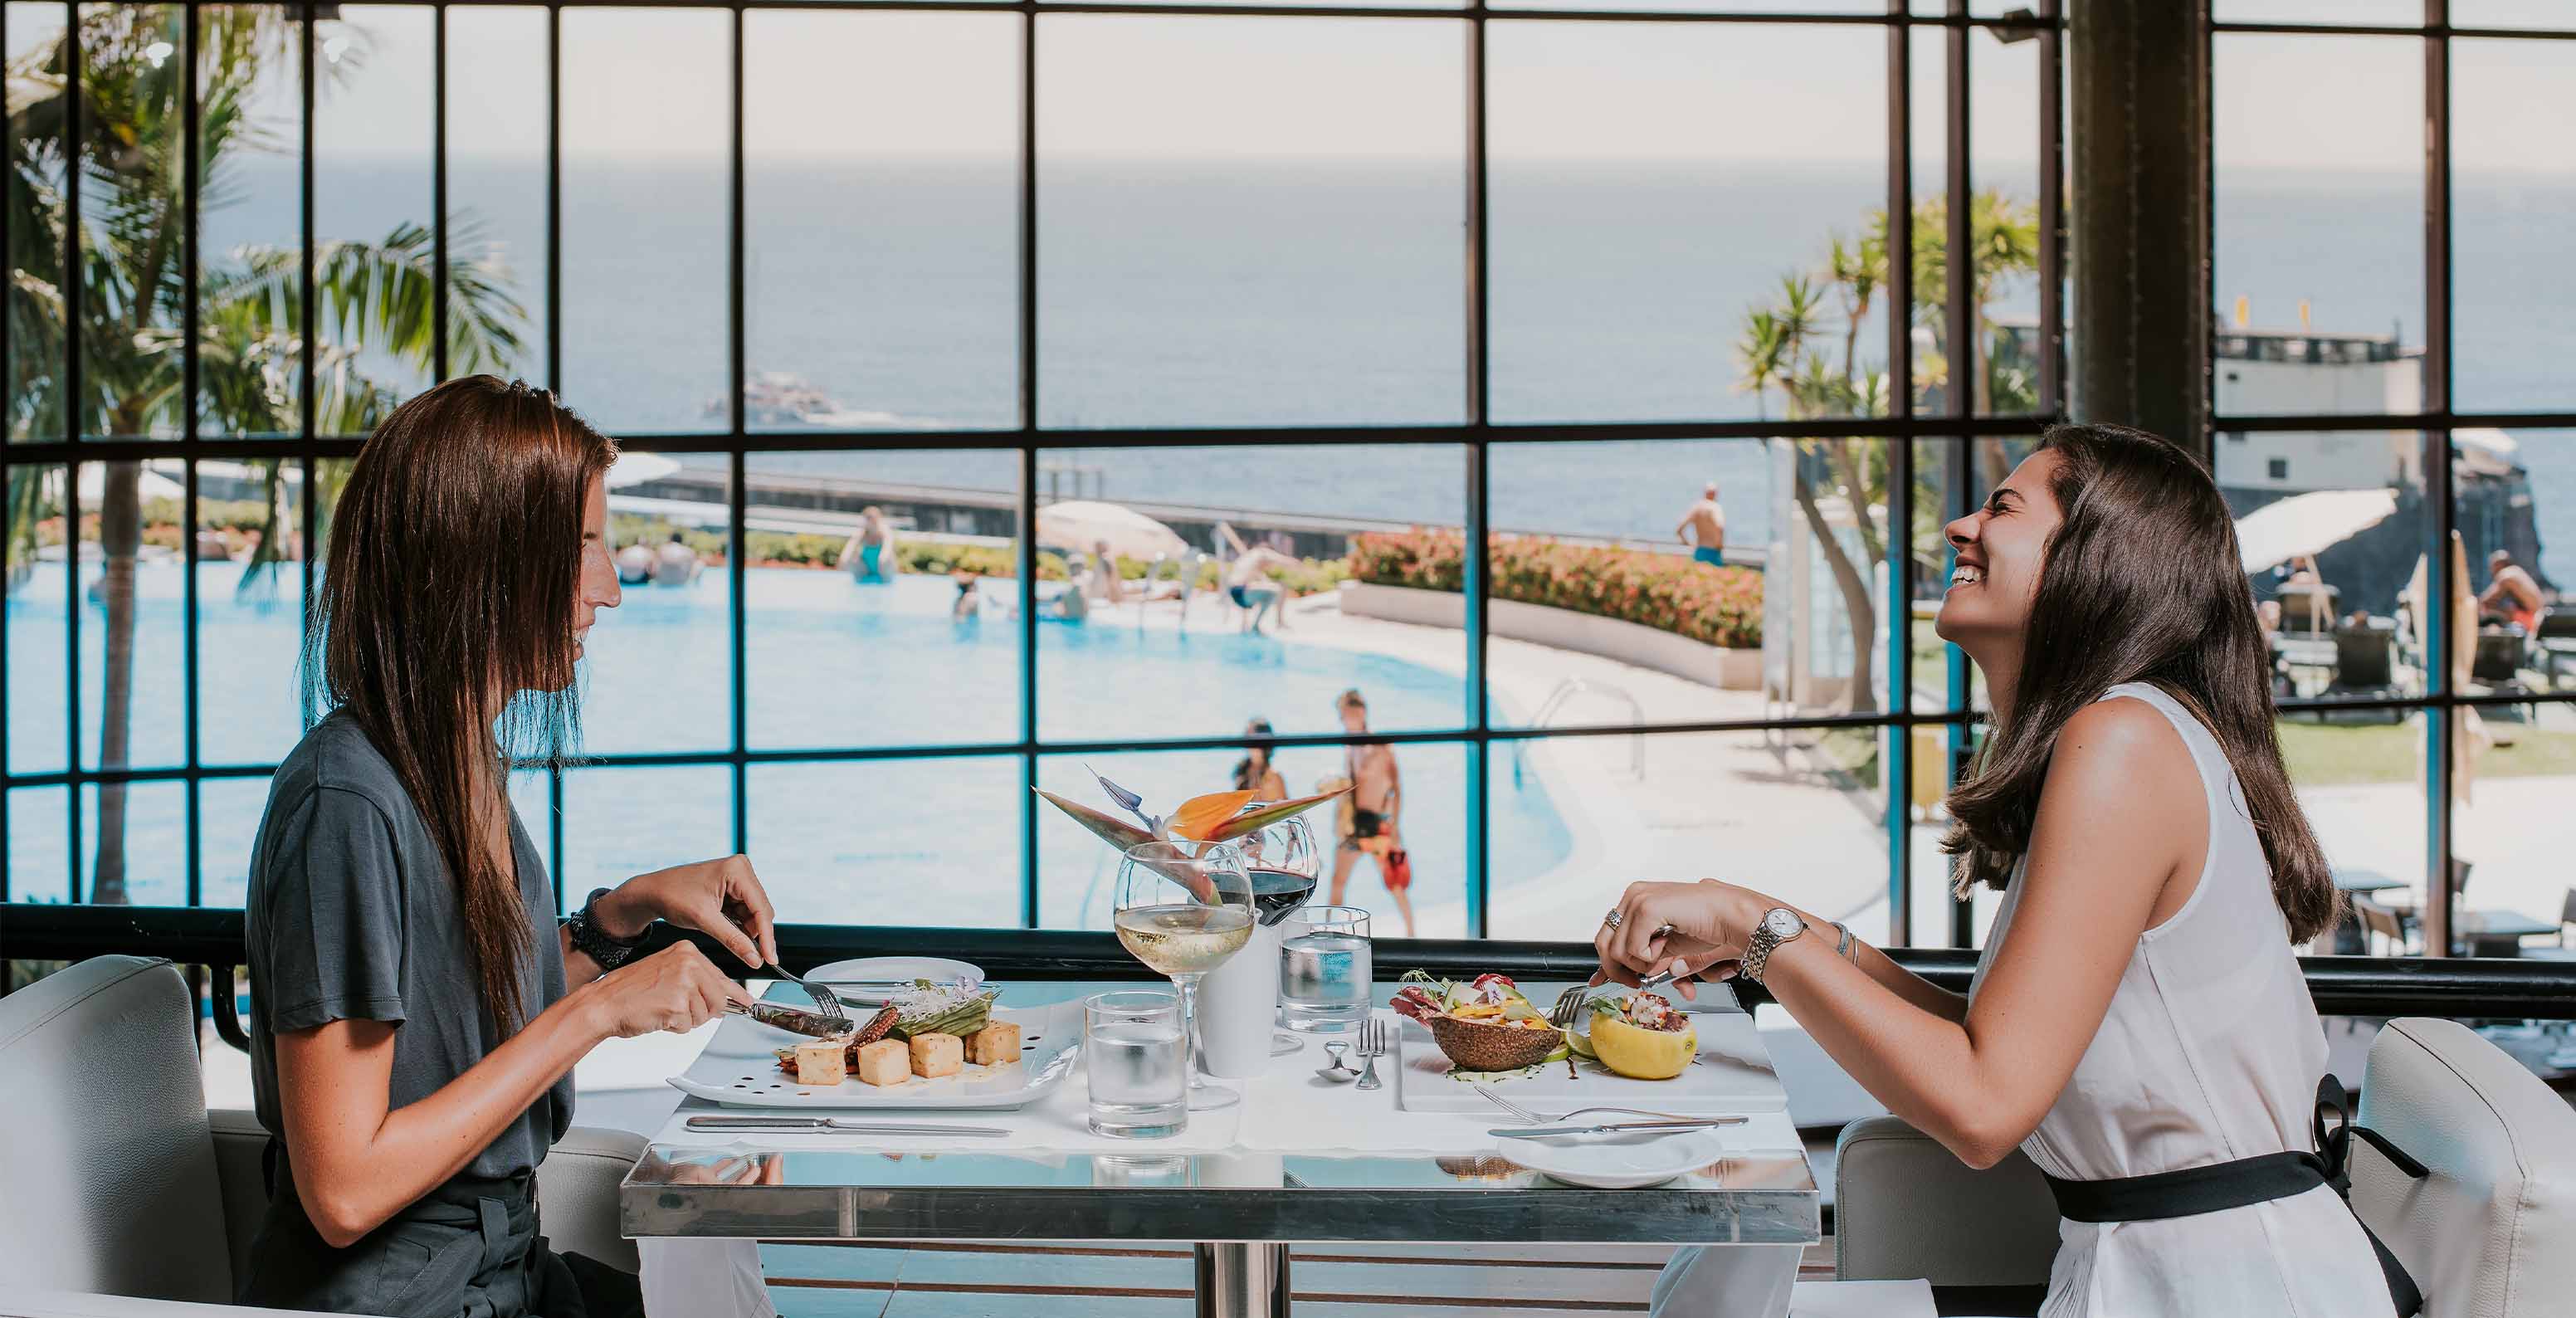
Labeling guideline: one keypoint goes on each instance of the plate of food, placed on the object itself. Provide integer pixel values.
(934, 1047)
(1628, 1048)
(1626, 1161)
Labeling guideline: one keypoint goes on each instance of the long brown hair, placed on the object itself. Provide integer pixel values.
(2142, 582)
(454, 559)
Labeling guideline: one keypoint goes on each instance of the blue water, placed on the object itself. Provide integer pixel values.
(830, 663)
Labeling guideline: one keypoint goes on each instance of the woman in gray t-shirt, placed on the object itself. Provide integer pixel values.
(413, 1035)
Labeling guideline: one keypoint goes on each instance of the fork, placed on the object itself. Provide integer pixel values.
(1569, 1004)
(1372, 1047)
(826, 1002)
(1534, 1118)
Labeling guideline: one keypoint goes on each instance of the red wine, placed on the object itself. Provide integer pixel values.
(1277, 892)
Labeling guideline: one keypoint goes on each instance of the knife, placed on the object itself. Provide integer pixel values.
(1694, 1123)
(792, 1020)
(839, 1124)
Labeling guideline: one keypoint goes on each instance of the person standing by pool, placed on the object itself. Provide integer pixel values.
(1255, 773)
(1377, 799)
(869, 552)
(1707, 521)
(677, 564)
(420, 1009)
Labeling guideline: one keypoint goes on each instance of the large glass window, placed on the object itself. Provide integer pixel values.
(975, 444)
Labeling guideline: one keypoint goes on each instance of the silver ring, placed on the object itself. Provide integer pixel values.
(1611, 921)
(1665, 930)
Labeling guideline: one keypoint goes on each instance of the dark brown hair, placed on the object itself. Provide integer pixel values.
(2142, 582)
(454, 559)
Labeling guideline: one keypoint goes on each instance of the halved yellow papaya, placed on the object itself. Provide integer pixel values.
(1642, 1054)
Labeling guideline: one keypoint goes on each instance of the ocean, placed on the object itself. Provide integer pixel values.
(1305, 292)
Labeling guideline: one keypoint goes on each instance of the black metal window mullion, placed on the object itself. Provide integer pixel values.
(190, 423)
(1897, 782)
(737, 374)
(1027, 552)
(1478, 587)
(75, 426)
(438, 194)
(1959, 316)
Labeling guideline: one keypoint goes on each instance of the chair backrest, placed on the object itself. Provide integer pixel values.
(2557, 623)
(1906, 1207)
(2498, 657)
(2362, 657)
(2380, 921)
(107, 1173)
(2491, 1232)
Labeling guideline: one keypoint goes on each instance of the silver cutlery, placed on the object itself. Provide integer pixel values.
(1569, 1004)
(843, 1125)
(1372, 1047)
(1616, 1127)
(791, 1019)
(826, 1003)
(1339, 1072)
(1536, 1118)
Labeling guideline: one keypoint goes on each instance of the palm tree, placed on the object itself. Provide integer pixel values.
(126, 142)
(2004, 246)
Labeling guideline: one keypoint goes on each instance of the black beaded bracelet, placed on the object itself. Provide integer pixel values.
(594, 942)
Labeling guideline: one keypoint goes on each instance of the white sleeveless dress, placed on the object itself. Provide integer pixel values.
(2211, 1051)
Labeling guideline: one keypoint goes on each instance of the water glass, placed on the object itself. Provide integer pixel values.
(1134, 1062)
(1325, 970)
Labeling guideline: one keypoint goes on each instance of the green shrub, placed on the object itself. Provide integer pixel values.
(1716, 605)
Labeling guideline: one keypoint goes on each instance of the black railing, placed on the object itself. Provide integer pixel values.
(2456, 987)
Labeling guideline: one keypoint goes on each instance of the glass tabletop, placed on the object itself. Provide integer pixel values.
(758, 1190)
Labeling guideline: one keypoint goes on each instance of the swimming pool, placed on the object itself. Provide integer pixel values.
(830, 664)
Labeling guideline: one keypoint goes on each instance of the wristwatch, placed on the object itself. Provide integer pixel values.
(1779, 925)
(594, 942)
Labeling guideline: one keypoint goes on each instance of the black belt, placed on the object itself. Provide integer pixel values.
(2195, 1190)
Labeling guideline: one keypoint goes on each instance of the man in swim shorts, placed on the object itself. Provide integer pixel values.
(1707, 522)
(1377, 798)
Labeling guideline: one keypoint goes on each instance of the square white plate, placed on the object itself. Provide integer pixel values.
(740, 1069)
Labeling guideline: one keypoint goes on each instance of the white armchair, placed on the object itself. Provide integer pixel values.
(116, 1182)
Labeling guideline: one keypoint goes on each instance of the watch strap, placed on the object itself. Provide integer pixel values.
(1759, 946)
(596, 943)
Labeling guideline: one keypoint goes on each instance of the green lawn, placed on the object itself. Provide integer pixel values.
(2320, 753)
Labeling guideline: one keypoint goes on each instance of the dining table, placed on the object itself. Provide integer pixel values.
(1298, 1160)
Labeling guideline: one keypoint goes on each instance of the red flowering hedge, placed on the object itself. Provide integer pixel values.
(1715, 605)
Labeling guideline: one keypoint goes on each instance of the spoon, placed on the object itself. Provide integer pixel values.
(1339, 1073)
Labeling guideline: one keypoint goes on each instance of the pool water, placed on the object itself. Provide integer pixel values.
(830, 664)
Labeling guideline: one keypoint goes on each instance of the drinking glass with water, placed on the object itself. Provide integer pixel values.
(1133, 1059)
(1325, 969)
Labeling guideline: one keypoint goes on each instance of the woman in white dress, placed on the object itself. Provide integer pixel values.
(2137, 1008)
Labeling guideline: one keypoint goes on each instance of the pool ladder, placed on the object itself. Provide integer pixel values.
(1568, 690)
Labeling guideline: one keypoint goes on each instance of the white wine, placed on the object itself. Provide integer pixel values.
(1184, 938)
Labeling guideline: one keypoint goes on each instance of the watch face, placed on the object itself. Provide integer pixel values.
(1783, 923)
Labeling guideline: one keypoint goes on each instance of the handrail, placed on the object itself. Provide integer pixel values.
(1575, 686)
(2458, 987)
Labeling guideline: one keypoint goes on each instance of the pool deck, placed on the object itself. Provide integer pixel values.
(1767, 810)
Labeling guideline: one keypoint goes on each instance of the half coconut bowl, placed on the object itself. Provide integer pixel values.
(1483, 1046)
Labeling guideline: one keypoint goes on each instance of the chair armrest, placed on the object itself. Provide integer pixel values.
(577, 1194)
(1905, 1207)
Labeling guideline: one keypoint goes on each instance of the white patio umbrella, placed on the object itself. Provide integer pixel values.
(2307, 523)
(1084, 523)
(152, 484)
(637, 468)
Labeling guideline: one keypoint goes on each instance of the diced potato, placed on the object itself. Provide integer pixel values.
(821, 1062)
(935, 1055)
(885, 1062)
(998, 1042)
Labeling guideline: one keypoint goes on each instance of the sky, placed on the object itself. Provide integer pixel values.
(650, 84)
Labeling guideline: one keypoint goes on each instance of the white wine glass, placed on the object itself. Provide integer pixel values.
(1285, 864)
(1183, 908)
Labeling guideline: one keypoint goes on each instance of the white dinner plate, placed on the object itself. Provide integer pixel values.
(1618, 1162)
(740, 1069)
(938, 968)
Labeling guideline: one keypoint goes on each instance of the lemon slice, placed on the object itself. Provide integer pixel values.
(1581, 1043)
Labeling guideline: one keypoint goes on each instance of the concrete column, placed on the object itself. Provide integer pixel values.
(2138, 208)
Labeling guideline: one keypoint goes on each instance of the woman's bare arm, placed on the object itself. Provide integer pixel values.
(357, 1160)
(2121, 814)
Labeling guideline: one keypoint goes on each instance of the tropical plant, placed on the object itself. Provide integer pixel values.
(124, 142)
(1777, 352)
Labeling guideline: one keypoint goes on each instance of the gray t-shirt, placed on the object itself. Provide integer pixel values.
(353, 916)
